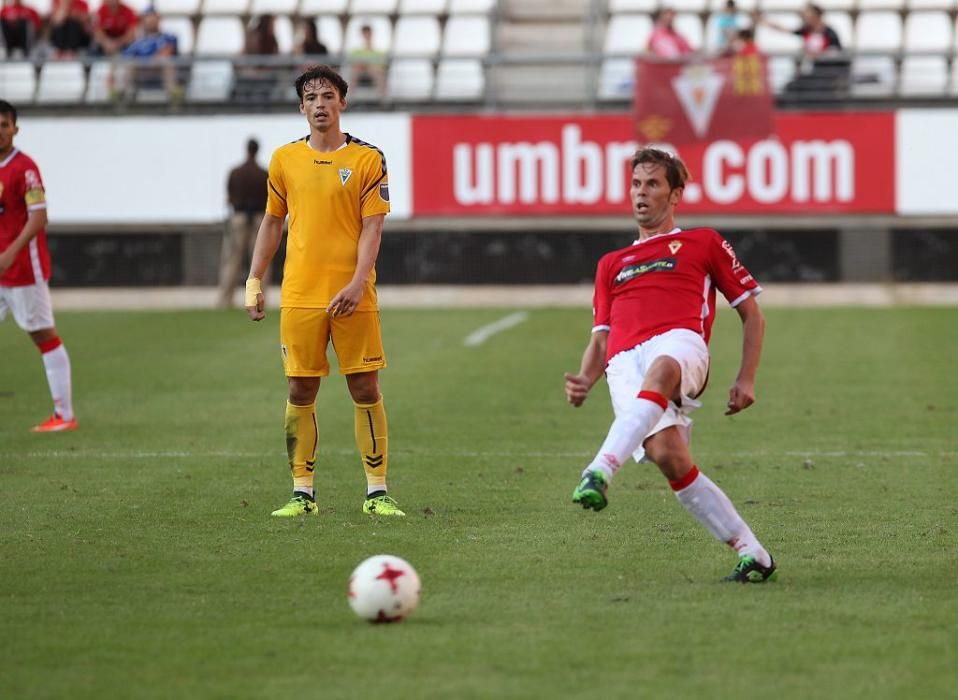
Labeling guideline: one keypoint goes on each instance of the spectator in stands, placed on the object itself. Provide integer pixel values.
(726, 27)
(368, 63)
(153, 51)
(246, 189)
(256, 78)
(825, 73)
(21, 27)
(114, 28)
(307, 41)
(744, 43)
(665, 42)
(70, 30)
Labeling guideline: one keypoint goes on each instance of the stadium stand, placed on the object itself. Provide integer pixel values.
(522, 52)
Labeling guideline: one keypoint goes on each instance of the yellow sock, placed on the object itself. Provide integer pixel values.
(373, 443)
(302, 438)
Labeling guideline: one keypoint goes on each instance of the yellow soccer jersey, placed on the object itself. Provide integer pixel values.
(326, 196)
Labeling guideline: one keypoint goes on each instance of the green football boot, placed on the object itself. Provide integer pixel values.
(379, 503)
(590, 493)
(299, 504)
(748, 570)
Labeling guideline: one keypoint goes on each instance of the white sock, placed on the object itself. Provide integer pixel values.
(628, 432)
(711, 507)
(370, 490)
(57, 364)
(308, 490)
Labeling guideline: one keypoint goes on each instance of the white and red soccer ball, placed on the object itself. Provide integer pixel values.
(383, 588)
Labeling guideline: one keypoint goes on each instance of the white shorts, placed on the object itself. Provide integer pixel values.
(30, 305)
(626, 372)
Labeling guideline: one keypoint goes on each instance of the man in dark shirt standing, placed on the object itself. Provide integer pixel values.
(246, 188)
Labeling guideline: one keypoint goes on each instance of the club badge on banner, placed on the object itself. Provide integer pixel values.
(691, 102)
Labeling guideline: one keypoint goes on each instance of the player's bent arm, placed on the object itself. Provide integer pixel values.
(268, 238)
(370, 238)
(742, 393)
(592, 366)
(36, 221)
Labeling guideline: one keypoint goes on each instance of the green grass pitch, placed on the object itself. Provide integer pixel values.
(138, 558)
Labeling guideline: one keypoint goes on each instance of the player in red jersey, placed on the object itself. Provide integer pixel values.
(654, 306)
(25, 267)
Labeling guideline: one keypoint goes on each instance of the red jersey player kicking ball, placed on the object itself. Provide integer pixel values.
(25, 267)
(654, 305)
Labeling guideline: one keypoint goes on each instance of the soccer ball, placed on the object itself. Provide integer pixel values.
(383, 588)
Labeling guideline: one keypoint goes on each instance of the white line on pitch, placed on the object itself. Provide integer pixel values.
(481, 335)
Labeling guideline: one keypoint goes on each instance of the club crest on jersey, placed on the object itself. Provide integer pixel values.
(674, 247)
(344, 175)
(384, 192)
(632, 271)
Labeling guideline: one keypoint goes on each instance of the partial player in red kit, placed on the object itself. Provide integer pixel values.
(25, 267)
(654, 306)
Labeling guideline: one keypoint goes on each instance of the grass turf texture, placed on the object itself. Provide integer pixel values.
(138, 558)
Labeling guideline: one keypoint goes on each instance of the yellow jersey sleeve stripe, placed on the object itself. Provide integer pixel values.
(275, 191)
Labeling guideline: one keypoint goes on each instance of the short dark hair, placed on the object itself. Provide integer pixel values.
(675, 171)
(252, 147)
(323, 74)
(816, 9)
(7, 108)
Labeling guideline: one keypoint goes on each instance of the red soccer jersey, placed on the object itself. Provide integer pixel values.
(115, 24)
(21, 191)
(666, 282)
(15, 13)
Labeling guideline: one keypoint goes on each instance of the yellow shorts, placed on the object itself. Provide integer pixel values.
(305, 333)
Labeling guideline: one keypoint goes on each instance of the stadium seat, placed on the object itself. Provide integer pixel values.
(45, 7)
(372, 7)
(382, 32)
(418, 35)
(212, 81)
(470, 7)
(869, 5)
(182, 29)
(923, 76)
(687, 5)
(18, 81)
(61, 82)
(873, 76)
(466, 37)
(930, 5)
(928, 31)
(225, 7)
(842, 23)
(460, 79)
(98, 88)
(274, 7)
(878, 31)
(177, 7)
(616, 79)
(219, 35)
(632, 6)
(781, 69)
(320, 8)
(409, 79)
(782, 5)
(627, 35)
(772, 41)
(422, 7)
(330, 31)
(690, 26)
(283, 29)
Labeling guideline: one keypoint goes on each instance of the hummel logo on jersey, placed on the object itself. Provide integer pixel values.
(633, 271)
(344, 175)
(323, 162)
(674, 247)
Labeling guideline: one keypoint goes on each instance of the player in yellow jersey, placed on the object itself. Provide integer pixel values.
(335, 190)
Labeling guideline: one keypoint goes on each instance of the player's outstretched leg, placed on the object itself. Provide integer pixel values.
(626, 434)
(302, 439)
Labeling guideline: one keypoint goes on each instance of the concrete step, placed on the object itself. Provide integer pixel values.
(541, 37)
(545, 9)
(572, 84)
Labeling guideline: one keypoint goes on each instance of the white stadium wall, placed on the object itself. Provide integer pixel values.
(172, 170)
(159, 170)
